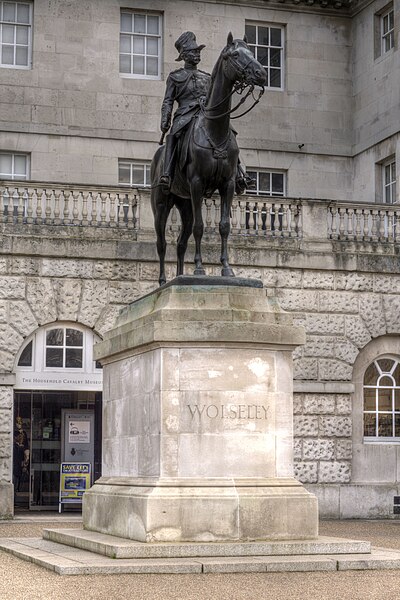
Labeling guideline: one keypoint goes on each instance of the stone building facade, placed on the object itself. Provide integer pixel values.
(79, 123)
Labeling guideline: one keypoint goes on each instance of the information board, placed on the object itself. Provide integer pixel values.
(75, 479)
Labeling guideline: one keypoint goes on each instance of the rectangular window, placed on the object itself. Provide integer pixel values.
(267, 183)
(140, 45)
(14, 166)
(267, 43)
(389, 181)
(15, 34)
(134, 173)
(387, 30)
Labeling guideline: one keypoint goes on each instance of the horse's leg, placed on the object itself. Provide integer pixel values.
(196, 192)
(226, 193)
(186, 213)
(160, 220)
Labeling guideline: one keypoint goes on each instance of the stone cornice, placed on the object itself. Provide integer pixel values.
(341, 7)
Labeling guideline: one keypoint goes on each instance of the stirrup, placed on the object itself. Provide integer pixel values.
(165, 183)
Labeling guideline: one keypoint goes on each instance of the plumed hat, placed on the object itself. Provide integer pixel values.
(187, 41)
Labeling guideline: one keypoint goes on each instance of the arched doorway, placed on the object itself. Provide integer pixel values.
(58, 387)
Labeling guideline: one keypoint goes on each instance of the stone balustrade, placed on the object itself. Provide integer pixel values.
(251, 216)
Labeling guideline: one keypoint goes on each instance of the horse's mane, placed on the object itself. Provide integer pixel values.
(237, 42)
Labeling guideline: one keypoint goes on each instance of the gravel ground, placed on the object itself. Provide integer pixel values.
(20, 580)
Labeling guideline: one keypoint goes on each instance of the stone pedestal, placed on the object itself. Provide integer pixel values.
(197, 422)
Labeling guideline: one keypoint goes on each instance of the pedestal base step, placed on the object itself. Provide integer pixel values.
(67, 560)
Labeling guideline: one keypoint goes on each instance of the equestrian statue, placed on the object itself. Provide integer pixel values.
(201, 154)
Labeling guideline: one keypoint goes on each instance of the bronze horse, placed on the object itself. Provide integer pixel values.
(211, 157)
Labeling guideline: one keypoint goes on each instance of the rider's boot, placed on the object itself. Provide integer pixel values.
(166, 177)
(243, 181)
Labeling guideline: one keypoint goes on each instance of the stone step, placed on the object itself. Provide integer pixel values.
(66, 560)
(115, 547)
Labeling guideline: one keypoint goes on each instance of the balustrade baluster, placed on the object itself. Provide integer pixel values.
(103, 199)
(366, 217)
(298, 223)
(2, 204)
(358, 214)
(113, 212)
(39, 208)
(131, 208)
(251, 218)
(47, 206)
(350, 228)
(20, 204)
(396, 226)
(390, 228)
(66, 218)
(75, 212)
(120, 211)
(208, 204)
(242, 215)
(85, 208)
(382, 229)
(94, 212)
(333, 233)
(374, 228)
(342, 229)
(217, 204)
(57, 198)
(284, 210)
(234, 219)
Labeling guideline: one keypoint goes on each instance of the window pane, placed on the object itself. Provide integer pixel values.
(152, 46)
(73, 337)
(21, 57)
(396, 374)
(276, 37)
(397, 425)
(251, 33)
(126, 22)
(370, 425)
(384, 399)
(277, 183)
(385, 425)
(22, 13)
(54, 357)
(7, 55)
(386, 381)
(138, 44)
(262, 56)
(73, 358)
(275, 57)
(386, 364)
(138, 65)
(387, 174)
(369, 399)
(263, 36)
(147, 182)
(55, 337)
(153, 25)
(22, 35)
(5, 164)
(397, 400)
(25, 360)
(371, 375)
(124, 173)
(20, 164)
(137, 175)
(125, 43)
(152, 66)
(139, 25)
(275, 78)
(124, 63)
(8, 34)
(264, 184)
(9, 11)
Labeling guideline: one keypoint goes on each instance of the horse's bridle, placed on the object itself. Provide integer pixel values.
(239, 87)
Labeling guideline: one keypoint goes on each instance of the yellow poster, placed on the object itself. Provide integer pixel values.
(74, 481)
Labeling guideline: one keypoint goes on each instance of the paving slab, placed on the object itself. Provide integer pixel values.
(116, 547)
(67, 560)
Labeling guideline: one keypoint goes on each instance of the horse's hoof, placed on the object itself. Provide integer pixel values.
(227, 272)
(199, 271)
(162, 281)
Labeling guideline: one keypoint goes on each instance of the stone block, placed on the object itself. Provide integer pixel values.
(324, 324)
(331, 369)
(346, 351)
(123, 292)
(297, 404)
(343, 404)
(25, 265)
(22, 318)
(323, 346)
(6, 361)
(289, 278)
(386, 284)
(318, 280)
(305, 426)
(5, 421)
(335, 426)
(6, 500)
(319, 404)
(328, 499)
(11, 340)
(339, 302)
(298, 449)
(334, 472)
(6, 397)
(356, 331)
(5, 470)
(94, 301)
(367, 501)
(306, 472)
(3, 311)
(41, 298)
(5, 446)
(107, 318)
(318, 449)
(359, 282)
(372, 313)
(391, 306)
(344, 449)
(305, 368)
(12, 287)
(298, 300)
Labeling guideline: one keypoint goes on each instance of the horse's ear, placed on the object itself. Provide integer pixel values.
(230, 38)
(246, 41)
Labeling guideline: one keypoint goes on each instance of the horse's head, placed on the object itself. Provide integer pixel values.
(240, 64)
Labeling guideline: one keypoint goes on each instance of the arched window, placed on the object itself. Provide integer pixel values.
(381, 388)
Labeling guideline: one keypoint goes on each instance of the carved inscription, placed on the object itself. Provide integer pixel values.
(228, 411)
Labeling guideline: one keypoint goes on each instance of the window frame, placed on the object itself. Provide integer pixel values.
(282, 48)
(15, 23)
(146, 35)
(367, 439)
(11, 176)
(135, 163)
(389, 188)
(265, 194)
(389, 34)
